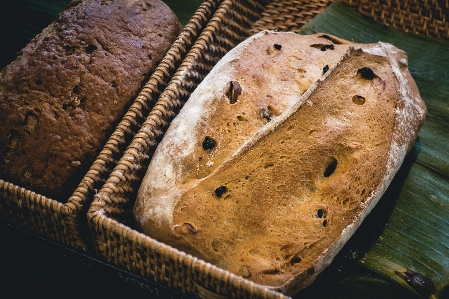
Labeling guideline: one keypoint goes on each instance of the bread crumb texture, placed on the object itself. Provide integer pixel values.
(307, 133)
(68, 88)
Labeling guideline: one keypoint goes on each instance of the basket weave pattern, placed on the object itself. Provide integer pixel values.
(285, 15)
(428, 17)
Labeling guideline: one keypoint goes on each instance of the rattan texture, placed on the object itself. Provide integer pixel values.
(65, 222)
(285, 15)
(110, 214)
(427, 17)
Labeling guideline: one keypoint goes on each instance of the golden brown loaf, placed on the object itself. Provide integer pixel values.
(280, 153)
(68, 88)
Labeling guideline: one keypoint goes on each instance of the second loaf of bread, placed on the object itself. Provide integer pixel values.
(69, 87)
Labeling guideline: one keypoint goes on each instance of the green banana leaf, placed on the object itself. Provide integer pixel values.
(403, 245)
(184, 10)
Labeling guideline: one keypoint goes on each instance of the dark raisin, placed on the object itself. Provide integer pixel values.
(234, 92)
(325, 69)
(326, 37)
(76, 89)
(277, 46)
(208, 143)
(327, 47)
(330, 168)
(220, 191)
(366, 73)
(90, 49)
(323, 47)
(320, 213)
(295, 260)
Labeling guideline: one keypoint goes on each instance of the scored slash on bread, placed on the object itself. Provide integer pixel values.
(278, 204)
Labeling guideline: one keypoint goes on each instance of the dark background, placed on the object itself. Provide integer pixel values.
(32, 267)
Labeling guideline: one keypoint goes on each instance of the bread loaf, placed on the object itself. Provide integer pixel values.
(68, 88)
(279, 155)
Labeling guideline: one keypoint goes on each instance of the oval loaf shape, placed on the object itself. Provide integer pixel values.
(295, 190)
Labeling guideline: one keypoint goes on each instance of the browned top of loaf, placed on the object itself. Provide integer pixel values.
(275, 198)
(289, 196)
(68, 88)
(252, 98)
(268, 73)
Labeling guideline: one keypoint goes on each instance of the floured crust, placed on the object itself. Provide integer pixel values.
(257, 66)
(281, 203)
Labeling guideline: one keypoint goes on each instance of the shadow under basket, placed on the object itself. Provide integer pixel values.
(65, 222)
(109, 217)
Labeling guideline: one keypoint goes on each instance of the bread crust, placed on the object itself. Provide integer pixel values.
(278, 208)
(257, 66)
(68, 88)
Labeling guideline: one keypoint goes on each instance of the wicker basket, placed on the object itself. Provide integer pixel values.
(428, 17)
(66, 222)
(110, 214)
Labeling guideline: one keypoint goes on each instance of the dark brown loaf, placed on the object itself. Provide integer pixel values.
(68, 88)
(275, 202)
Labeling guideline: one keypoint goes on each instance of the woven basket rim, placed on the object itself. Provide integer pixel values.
(429, 18)
(185, 258)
